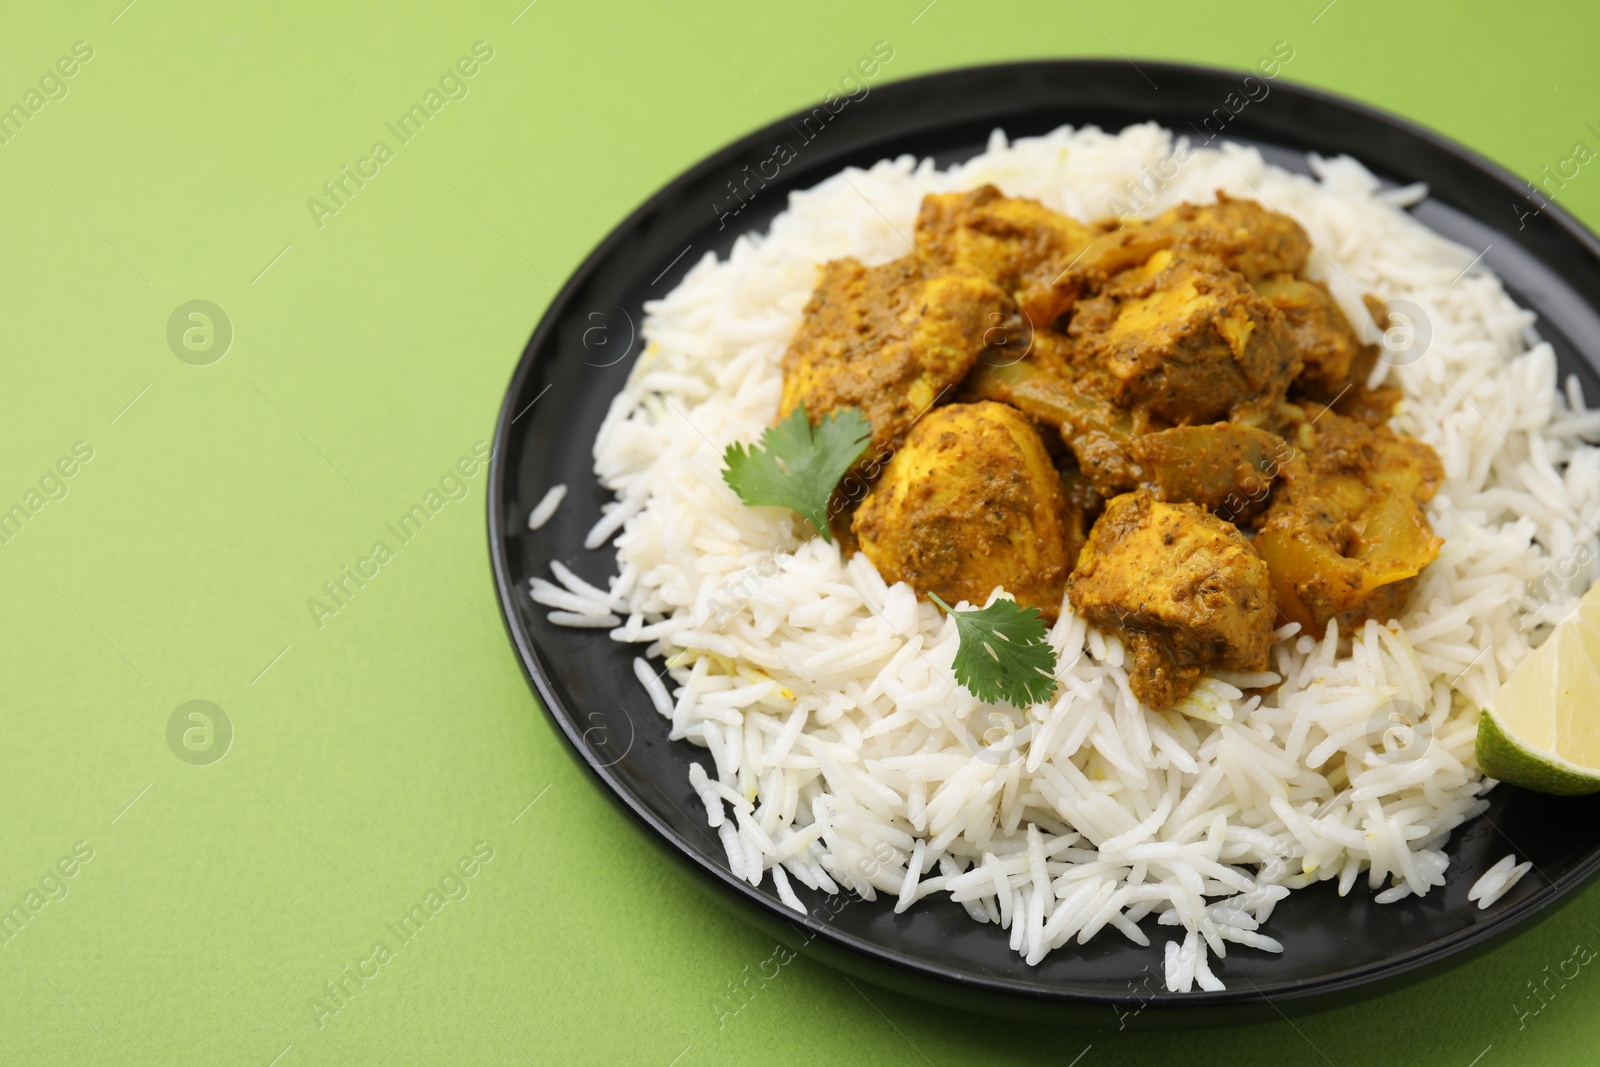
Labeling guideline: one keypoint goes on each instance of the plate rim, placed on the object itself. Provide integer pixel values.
(1303, 994)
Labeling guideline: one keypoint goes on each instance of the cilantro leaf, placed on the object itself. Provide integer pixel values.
(1004, 655)
(797, 465)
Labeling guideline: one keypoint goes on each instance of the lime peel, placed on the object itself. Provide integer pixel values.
(1541, 731)
(1502, 757)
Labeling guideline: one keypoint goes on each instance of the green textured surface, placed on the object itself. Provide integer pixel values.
(372, 753)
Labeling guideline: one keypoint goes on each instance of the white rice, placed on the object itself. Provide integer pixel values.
(1498, 880)
(545, 509)
(836, 733)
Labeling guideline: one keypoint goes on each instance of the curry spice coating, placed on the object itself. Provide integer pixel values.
(1187, 339)
(1346, 532)
(1184, 589)
(1013, 240)
(970, 502)
(1247, 237)
(1334, 357)
(1225, 467)
(887, 340)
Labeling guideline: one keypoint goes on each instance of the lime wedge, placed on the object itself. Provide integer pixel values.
(1542, 729)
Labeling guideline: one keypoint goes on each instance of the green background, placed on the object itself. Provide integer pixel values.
(372, 753)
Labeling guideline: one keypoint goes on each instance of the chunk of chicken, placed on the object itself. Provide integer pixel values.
(1226, 467)
(1333, 356)
(1011, 239)
(887, 340)
(1247, 237)
(1046, 299)
(1184, 589)
(969, 502)
(1346, 533)
(1186, 338)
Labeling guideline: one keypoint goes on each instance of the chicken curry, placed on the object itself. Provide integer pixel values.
(1163, 421)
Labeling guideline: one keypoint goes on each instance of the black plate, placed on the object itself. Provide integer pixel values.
(1336, 950)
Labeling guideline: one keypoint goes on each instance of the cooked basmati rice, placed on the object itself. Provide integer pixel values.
(1498, 880)
(545, 509)
(836, 734)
